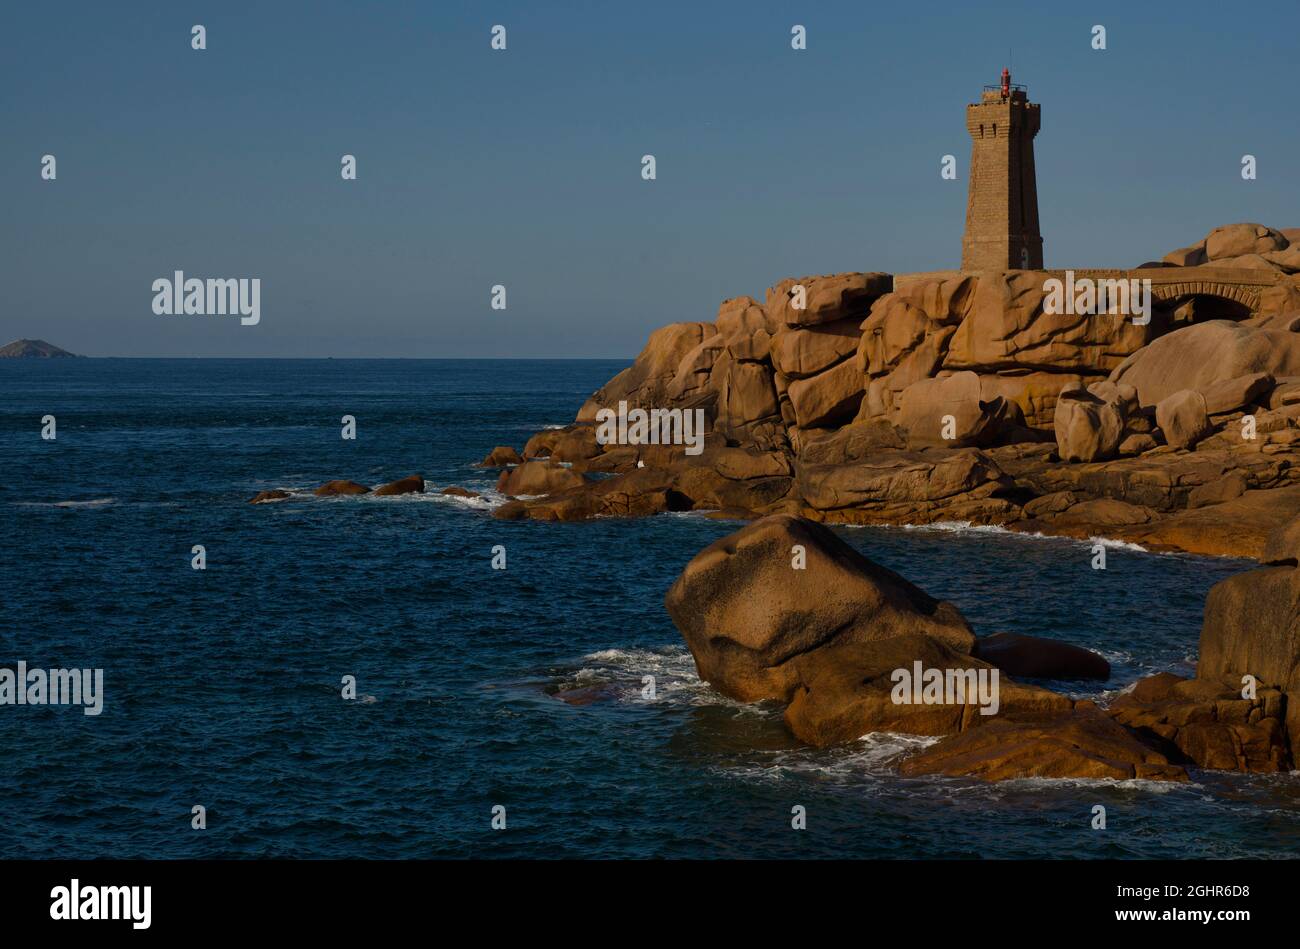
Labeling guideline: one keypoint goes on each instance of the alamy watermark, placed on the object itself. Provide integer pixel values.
(211, 297)
(651, 427)
(1110, 296)
(921, 686)
(84, 687)
(76, 901)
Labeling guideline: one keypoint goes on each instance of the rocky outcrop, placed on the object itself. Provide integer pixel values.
(538, 478)
(1238, 240)
(644, 384)
(785, 610)
(501, 456)
(958, 396)
(412, 484)
(1249, 246)
(900, 486)
(263, 497)
(1252, 625)
(1207, 722)
(640, 492)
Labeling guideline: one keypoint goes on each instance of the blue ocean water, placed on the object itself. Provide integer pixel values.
(222, 686)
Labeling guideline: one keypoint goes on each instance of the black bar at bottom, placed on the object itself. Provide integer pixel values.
(334, 898)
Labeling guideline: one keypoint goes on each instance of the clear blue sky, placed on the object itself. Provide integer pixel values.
(523, 167)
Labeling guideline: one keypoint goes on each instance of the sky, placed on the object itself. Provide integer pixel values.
(522, 167)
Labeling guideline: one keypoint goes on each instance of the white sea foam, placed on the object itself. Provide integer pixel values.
(676, 680)
(1117, 544)
(966, 527)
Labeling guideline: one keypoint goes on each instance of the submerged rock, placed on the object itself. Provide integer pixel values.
(333, 488)
(459, 492)
(1036, 658)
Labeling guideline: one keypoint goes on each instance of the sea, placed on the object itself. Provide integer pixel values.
(498, 713)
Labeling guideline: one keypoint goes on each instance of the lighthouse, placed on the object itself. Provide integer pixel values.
(1002, 203)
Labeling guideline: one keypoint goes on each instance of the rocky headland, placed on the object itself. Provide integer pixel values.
(954, 396)
(951, 396)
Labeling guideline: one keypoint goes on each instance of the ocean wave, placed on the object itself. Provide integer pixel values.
(488, 497)
(70, 505)
(875, 755)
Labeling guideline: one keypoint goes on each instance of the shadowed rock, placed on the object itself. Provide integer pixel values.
(1033, 657)
(412, 484)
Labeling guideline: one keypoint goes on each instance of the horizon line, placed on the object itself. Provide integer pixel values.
(339, 358)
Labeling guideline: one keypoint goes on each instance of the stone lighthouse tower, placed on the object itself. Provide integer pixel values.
(1002, 207)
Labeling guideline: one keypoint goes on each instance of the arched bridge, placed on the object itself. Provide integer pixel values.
(1169, 284)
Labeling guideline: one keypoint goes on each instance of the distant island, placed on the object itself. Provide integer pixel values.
(33, 349)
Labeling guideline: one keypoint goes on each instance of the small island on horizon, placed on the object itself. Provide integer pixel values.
(34, 349)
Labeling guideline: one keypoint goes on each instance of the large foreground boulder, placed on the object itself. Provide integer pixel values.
(783, 588)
